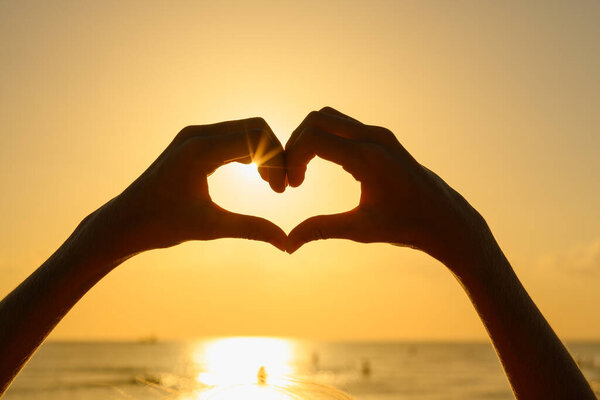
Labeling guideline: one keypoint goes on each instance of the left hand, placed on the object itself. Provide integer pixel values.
(170, 202)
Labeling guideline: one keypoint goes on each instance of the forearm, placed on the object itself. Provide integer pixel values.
(30, 312)
(536, 362)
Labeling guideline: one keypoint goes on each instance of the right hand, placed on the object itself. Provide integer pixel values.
(401, 202)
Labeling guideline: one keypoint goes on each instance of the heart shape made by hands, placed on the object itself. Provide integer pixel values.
(327, 189)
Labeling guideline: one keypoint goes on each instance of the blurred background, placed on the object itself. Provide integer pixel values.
(500, 99)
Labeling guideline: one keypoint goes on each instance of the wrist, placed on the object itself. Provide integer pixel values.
(477, 257)
(100, 239)
(457, 234)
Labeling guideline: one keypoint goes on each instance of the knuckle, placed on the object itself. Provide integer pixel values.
(327, 109)
(385, 135)
(258, 122)
(312, 115)
(255, 127)
(381, 132)
(187, 131)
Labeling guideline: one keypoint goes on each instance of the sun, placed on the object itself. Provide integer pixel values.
(246, 172)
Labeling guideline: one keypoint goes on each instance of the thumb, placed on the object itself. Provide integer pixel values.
(232, 225)
(338, 226)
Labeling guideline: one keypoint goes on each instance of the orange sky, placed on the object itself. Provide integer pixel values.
(500, 99)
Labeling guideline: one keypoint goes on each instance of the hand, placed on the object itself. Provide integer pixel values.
(170, 202)
(404, 203)
(401, 202)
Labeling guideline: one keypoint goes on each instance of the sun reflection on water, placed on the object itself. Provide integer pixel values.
(260, 368)
(232, 361)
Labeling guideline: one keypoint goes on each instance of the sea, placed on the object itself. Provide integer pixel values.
(272, 368)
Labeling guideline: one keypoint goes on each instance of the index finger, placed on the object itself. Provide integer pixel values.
(350, 129)
(245, 142)
(312, 142)
(333, 121)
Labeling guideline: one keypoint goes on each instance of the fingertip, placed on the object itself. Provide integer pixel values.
(277, 238)
(280, 245)
(278, 180)
(296, 176)
(291, 248)
(264, 174)
(278, 235)
(295, 239)
(277, 185)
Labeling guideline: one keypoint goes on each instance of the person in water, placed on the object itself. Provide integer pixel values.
(402, 203)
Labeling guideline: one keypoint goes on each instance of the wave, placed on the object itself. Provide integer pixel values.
(166, 382)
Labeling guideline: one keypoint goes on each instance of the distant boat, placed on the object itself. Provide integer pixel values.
(365, 368)
(147, 340)
(314, 361)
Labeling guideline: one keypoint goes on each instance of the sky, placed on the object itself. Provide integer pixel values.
(500, 99)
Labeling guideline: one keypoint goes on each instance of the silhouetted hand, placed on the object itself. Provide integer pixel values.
(170, 203)
(401, 202)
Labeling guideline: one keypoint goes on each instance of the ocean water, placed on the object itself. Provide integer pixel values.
(247, 368)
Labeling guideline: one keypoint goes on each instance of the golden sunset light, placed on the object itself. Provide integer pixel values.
(419, 182)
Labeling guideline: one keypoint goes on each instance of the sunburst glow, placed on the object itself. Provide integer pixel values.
(245, 171)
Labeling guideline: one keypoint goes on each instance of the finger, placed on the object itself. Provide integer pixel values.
(194, 131)
(244, 160)
(270, 158)
(232, 225)
(355, 129)
(258, 143)
(311, 143)
(329, 123)
(271, 166)
(333, 121)
(376, 134)
(264, 173)
(341, 226)
(220, 128)
(333, 111)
